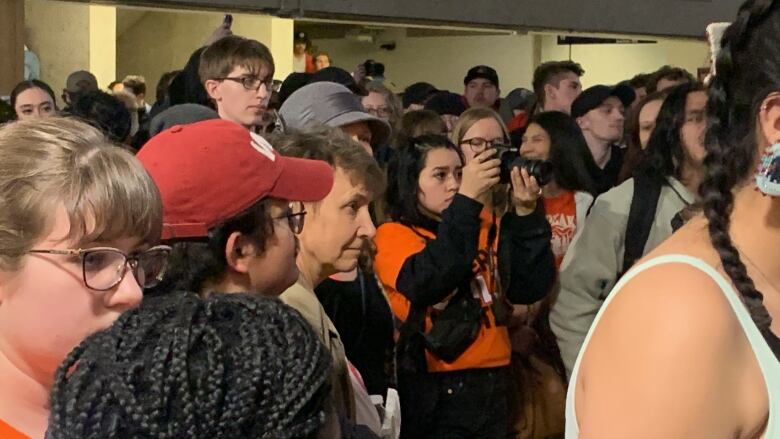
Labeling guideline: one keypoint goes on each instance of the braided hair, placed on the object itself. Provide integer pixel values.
(227, 366)
(747, 71)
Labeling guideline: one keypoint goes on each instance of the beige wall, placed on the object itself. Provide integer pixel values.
(161, 41)
(442, 61)
(612, 63)
(59, 33)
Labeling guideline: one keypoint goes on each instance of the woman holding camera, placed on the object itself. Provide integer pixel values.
(555, 138)
(438, 261)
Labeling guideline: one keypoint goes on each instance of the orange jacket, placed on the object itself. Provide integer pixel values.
(8, 432)
(417, 266)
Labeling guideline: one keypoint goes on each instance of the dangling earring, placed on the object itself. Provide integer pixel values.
(768, 175)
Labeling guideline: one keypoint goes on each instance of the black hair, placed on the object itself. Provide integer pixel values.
(640, 80)
(547, 72)
(194, 262)
(186, 87)
(665, 152)
(747, 72)
(26, 85)
(161, 93)
(135, 85)
(105, 112)
(669, 73)
(572, 162)
(179, 366)
(418, 122)
(403, 174)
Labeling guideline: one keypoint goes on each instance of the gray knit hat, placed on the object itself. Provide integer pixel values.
(333, 105)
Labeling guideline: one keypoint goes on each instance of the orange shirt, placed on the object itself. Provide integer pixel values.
(561, 213)
(8, 432)
(395, 243)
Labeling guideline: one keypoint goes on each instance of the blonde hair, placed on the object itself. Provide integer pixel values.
(58, 162)
(500, 198)
(472, 116)
(393, 103)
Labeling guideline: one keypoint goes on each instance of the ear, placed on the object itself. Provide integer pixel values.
(239, 251)
(769, 119)
(549, 90)
(583, 123)
(212, 88)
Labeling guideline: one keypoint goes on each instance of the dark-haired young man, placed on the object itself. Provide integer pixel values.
(557, 84)
(228, 209)
(481, 88)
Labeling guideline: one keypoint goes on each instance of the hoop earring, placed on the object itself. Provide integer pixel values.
(768, 174)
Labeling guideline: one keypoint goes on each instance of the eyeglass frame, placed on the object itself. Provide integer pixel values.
(81, 252)
(295, 220)
(243, 81)
(488, 144)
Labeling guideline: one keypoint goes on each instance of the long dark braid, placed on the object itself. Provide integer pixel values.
(747, 71)
(179, 366)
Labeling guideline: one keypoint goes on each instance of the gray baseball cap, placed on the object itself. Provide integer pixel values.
(333, 105)
(181, 114)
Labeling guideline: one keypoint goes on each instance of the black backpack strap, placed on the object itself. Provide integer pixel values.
(640, 219)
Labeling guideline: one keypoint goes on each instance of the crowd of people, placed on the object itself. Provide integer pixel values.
(328, 258)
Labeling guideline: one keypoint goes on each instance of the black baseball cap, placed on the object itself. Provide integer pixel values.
(483, 72)
(596, 95)
(339, 76)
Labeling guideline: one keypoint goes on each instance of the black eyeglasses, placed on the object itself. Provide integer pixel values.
(103, 268)
(252, 83)
(295, 219)
(478, 144)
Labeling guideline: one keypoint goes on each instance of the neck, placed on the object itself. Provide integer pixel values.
(600, 149)
(230, 282)
(691, 176)
(224, 116)
(24, 401)
(552, 190)
(312, 273)
(755, 229)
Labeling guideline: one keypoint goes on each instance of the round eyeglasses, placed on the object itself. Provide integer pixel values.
(294, 219)
(478, 144)
(103, 268)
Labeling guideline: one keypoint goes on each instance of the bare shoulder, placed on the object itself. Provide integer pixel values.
(661, 358)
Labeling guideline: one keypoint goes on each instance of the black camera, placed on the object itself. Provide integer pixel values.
(510, 158)
(374, 69)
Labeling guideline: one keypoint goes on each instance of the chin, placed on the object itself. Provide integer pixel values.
(346, 264)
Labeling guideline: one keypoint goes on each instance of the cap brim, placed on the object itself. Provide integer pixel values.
(303, 180)
(380, 130)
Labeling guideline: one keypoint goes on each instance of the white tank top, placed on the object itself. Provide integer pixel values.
(770, 367)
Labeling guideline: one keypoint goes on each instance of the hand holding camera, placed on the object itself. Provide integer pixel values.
(480, 175)
(525, 191)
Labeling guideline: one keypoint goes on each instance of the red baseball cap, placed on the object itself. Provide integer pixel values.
(210, 171)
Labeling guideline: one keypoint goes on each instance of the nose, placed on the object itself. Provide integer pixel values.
(263, 91)
(453, 183)
(366, 228)
(127, 294)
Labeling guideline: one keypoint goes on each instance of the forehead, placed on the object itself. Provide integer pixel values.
(650, 110)
(535, 129)
(442, 157)
(565, 78)
(374, 98)
(32, 96)
(487, 128)
(696, 100)
(347, 186)
(479, 82)
(256, 68)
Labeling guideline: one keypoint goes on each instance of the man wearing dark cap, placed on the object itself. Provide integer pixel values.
(415, 96)
(334, 105)
(78, 84)
(600, 113)
(481, 88)
(302, 61)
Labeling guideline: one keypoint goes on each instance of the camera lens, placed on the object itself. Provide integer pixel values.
(539, 169)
